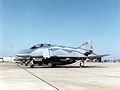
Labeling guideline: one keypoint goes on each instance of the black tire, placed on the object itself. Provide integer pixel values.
(26, 64)
(31, 66)
(81, 65)
(53, 65)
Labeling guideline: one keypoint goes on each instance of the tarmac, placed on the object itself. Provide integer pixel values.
(94, 76)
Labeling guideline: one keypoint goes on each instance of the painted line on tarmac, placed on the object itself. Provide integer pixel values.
(38, 77)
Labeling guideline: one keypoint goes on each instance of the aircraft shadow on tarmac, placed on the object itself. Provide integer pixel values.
(69, 67)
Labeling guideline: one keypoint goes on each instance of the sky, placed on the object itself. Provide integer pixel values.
(24, 23)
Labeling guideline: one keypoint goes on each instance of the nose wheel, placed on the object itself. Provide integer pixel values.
(32, 63)
(32, 66)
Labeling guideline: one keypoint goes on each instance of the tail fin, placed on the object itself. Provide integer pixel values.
(87, 47)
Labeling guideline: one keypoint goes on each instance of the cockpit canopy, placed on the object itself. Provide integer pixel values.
(40, 46)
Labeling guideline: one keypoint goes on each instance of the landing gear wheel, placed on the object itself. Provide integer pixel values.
(32, 63)
(50, 64)
(21, 63)
(32, 66)
(53, 65)
(26, 64)
(82, 64)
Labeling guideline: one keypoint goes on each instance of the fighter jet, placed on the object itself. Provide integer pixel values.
(52, 55)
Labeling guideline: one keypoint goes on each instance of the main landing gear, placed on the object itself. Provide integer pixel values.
(82, 63)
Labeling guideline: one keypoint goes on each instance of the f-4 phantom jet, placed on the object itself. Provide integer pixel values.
(52, 55)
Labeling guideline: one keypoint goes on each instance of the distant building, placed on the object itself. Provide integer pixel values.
(8, 59)
(1, 60)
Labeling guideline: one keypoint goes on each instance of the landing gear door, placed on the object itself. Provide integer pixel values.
(46, 53)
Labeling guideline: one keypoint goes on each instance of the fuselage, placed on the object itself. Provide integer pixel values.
(48, 50)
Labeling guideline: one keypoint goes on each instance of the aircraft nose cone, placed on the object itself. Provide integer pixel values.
(25, 52)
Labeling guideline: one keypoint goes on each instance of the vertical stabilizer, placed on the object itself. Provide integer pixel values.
(87, 47)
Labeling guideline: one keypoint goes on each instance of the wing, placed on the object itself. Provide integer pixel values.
(83, 57)
(77, 56)
(95, 56)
